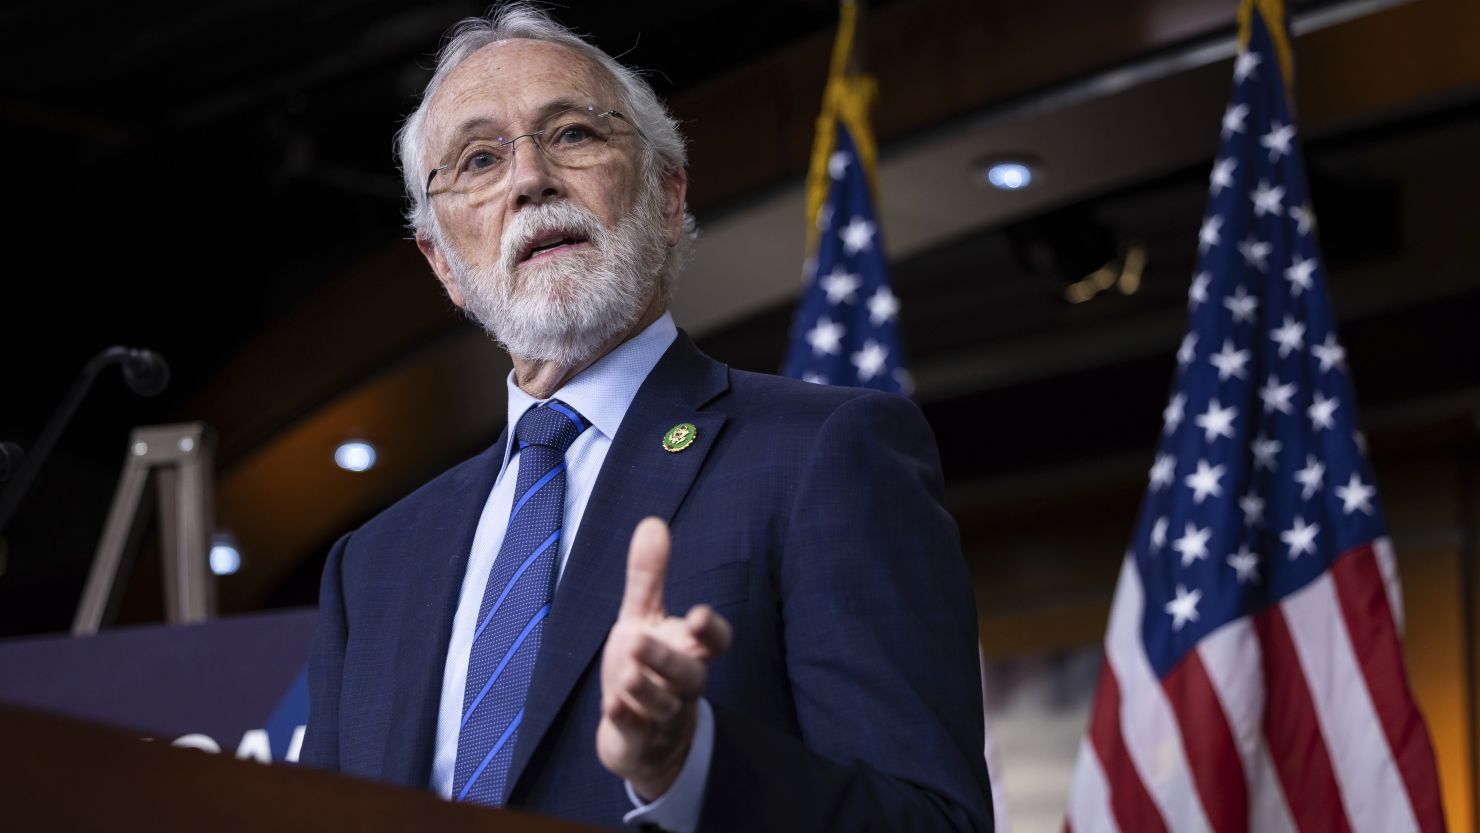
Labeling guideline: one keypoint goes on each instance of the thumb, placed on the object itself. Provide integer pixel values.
(647, 563)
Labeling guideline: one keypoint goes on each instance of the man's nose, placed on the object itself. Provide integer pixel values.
(532, 176)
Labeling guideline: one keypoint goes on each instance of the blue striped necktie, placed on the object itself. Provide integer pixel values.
(516, 601)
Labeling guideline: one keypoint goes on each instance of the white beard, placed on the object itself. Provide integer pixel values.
(564, 309)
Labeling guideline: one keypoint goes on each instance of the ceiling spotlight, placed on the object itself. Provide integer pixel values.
(1009, 175)
(355, 455)
(225, 558)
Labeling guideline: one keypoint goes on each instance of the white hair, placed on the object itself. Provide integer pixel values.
(664, 151)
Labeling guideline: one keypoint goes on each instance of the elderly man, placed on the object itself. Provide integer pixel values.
(503, 634)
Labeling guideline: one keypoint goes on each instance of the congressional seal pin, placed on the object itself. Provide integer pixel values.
(680, 436)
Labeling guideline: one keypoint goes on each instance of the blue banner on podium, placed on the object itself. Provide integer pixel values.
(238, 686)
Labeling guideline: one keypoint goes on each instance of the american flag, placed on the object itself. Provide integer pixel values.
(1253, 676)
(846, 330)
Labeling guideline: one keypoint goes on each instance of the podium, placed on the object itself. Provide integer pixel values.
(59, 774)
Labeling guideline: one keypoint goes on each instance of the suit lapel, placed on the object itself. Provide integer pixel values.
(439, 546)
(638, 478)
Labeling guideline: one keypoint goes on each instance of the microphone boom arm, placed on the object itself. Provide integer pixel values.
(146, 374)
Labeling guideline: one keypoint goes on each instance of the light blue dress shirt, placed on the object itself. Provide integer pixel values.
(601, 393)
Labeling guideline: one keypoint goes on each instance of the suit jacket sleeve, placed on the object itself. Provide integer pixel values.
(880, 646)
(325, 665)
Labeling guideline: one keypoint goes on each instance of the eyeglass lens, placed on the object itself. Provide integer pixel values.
(574, 138)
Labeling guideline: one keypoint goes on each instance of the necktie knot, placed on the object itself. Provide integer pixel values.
(554, 425)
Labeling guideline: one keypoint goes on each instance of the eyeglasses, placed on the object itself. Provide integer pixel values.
(575, 138)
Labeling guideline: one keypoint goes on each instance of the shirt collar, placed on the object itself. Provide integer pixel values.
(602, 392)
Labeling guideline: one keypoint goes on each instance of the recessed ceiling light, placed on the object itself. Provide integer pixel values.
(1009, 175)
(225, 558)
(355, 455)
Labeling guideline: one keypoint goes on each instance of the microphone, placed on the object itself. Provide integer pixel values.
(145, 373)
(11, 456)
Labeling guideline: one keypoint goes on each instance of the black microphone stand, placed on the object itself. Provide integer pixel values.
(144, 371)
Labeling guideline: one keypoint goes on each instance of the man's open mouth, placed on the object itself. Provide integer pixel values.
(549, 243)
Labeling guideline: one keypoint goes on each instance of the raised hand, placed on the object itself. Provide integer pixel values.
(652, 671)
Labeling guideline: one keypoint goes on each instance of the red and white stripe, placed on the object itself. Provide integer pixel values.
(1297, 720)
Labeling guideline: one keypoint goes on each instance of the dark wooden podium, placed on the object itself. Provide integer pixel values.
(61, 775)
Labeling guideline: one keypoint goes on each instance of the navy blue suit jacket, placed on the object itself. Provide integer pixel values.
(809, 516)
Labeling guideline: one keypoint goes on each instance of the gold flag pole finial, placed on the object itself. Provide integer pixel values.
(1273, 12)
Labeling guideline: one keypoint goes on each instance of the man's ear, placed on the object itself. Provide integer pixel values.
(439, 265)
(675, 196)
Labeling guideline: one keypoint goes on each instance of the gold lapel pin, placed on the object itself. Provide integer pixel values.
(680, 436)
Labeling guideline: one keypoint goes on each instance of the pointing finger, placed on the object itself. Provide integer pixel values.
(647, 562)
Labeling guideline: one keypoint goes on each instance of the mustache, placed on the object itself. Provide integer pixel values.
(553, 217)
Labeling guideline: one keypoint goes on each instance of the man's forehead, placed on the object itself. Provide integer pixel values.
(512, 79)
